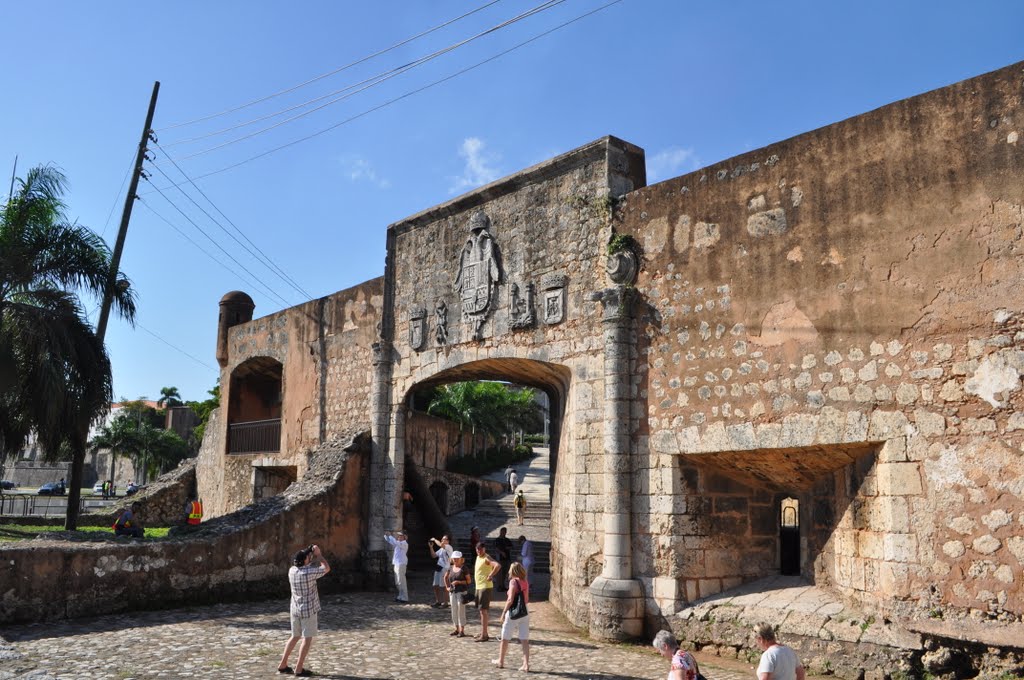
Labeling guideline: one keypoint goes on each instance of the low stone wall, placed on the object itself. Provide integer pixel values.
(245, 554)
(858, 648)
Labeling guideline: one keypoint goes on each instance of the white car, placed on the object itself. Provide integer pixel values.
(97, 488)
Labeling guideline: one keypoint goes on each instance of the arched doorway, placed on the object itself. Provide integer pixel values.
(439, 492)
(255, 396)
(789, 537)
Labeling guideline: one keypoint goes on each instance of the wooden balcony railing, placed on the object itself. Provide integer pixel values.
(257, 436)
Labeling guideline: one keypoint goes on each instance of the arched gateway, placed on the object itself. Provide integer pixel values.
(783, 366)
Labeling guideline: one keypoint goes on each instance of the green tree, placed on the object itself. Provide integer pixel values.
(54, 372)
(203, 409)
(493, 409)
(152, 449)
(169, 396)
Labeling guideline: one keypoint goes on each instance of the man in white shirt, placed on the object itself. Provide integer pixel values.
(778, 662)
(400, 561)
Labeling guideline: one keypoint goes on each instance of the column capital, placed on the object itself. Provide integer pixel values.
(618, 301)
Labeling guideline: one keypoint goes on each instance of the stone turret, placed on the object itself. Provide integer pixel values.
(236, 307)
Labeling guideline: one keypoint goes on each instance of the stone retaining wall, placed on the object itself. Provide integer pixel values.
(242, 555)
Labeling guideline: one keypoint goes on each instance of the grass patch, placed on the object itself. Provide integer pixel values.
(20, 532)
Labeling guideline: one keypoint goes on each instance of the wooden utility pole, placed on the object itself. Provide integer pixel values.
(78, 449)
(126, 215)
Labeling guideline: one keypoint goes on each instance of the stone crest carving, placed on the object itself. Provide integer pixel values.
(417, 328)
(553, 298)
(479, 272)
(520, 306)
(441, 323)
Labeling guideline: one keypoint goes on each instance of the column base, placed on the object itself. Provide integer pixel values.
(616, 609)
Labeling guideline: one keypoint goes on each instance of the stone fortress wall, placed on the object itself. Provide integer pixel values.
(837, 318)
(323, 348)
(827, 323)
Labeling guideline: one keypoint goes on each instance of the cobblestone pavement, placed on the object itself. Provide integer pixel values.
(362, 635)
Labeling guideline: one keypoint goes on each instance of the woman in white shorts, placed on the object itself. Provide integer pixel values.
(521, 626)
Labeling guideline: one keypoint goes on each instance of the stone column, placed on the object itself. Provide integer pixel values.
(380, 432)
(616, 599)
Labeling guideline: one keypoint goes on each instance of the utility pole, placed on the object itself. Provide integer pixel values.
(14, 172)
(78, 451)
(126, 215)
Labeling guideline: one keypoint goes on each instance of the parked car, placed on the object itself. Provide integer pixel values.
(51, 489)
(7, 484)
(97, 488)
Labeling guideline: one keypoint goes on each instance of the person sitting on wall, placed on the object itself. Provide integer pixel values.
(128, 524)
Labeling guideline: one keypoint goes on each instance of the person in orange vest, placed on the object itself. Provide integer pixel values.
(194, 512)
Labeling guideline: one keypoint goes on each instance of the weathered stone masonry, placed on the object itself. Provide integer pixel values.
(829, 324)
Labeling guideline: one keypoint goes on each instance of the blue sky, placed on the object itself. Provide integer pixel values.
(692, 83)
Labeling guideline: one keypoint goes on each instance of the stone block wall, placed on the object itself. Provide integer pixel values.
(241, 555)
(550, 225)
(324, 348)
(456, 488)
(836, 317)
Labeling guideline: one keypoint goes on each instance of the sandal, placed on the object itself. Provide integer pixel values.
(496, 663)
(305, 672)
(453, 633)
(286, 669)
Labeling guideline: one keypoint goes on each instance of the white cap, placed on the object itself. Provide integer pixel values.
(457, 555)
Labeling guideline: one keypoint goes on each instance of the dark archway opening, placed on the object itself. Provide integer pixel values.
(439, 492)
(255, 396)
(789, 537)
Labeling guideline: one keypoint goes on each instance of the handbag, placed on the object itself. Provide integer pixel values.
(518, 609)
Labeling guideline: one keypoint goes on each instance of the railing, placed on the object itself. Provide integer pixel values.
(28, 505)
(257, 436)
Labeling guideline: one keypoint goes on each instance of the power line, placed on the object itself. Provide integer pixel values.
(222, 249)
(407, 94)
(335, 71)
(266, 261)
(175, 347)
(188, 238)
(117, 198)
(355, 88)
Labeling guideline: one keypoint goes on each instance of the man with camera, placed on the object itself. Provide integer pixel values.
(442, 552)
(308, 565)
(400, 561)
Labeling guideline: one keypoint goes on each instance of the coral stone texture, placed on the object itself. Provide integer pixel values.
(808, 362)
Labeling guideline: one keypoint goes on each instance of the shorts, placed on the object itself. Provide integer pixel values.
(483, 598)
(520, 627)
(439, 579)
(304, 626)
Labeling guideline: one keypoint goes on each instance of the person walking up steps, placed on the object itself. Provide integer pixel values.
(519, 502)
(400, 561)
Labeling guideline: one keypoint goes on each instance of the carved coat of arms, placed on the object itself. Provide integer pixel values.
(479, 272)
(417, 328)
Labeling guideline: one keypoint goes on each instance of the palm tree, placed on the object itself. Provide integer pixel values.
(491, 408)
(54, 372)
(169, 396)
